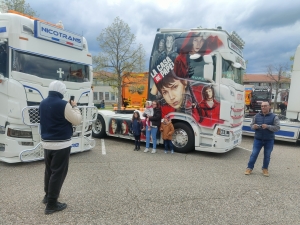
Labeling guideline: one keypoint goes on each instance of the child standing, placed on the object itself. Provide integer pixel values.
(136, 127)
(167, 130)
(149, 112)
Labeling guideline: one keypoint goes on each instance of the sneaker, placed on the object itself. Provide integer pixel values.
(146, 150)
(248, 171)
(55, 208)
(166, 151)
(265, 172)
(138, 148)
(153, 151)
(135, 149)
(172, 151)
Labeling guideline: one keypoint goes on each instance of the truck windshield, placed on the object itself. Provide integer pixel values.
(260, 95)
(230, 72)
(49, 68)
(3, 58)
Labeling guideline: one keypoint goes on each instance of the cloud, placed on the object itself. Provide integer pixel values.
(269, 28)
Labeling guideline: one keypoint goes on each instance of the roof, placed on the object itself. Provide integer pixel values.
(264, 78)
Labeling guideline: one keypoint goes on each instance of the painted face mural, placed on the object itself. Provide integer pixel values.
(124, 127)
(197, 44)
(113, 126)
(169, 43)
(173, 93)
(178, 79)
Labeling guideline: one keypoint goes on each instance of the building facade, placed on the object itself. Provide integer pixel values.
(104, 91)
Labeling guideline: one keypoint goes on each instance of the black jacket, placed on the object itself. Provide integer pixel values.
(54, 126)
(156, 118)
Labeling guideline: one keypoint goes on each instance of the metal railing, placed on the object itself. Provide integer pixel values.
(83, 131)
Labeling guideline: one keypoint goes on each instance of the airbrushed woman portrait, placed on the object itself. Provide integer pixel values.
(113, 127)
(210, 107)
(189, 63)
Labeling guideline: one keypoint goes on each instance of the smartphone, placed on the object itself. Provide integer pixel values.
(72, 98)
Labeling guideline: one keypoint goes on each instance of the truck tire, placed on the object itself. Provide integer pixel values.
(99, 127)
(183, 138)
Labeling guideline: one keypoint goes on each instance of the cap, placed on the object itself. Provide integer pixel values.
(58, 86)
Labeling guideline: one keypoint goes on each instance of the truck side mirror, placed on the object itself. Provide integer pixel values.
(2, 78)
(208, 67)
(236, 65)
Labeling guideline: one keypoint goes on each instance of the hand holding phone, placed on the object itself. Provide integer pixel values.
(71, 101)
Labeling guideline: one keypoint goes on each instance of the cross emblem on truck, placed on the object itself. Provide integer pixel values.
(60, 73)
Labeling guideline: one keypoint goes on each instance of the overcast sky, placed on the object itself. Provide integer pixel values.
(271, 29)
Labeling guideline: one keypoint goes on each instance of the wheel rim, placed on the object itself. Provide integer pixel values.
(97, 127)
(180, 138)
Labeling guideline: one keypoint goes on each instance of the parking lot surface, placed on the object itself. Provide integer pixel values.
(112, 184)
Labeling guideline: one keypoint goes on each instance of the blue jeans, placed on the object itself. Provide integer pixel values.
(153, 133)
(168, 144)
(257, 145)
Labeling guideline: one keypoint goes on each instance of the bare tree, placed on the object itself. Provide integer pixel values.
(119, 56)
(20, 6)
(292, 61)
(278, 74)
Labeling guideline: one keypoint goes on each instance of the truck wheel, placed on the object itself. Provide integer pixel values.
(183, 138)
(99, 127)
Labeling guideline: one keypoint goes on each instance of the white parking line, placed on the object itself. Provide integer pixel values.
(103, 147)
(245, 149)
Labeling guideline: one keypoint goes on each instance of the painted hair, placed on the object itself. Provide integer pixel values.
(187, 44)
(168, 80)
(205, 95)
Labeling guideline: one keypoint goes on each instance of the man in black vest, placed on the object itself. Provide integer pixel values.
(56, 119)
(265, 125)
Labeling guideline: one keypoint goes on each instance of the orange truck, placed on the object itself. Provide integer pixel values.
(248, 93)
(134, 90)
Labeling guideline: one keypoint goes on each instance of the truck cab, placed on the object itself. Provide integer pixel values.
(259, 94)
(196, 75)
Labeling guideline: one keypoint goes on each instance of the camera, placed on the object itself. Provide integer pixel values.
(259, 126)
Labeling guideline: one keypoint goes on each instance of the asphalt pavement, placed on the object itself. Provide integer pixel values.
(112, 184)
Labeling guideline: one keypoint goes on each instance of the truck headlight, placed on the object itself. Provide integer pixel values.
(18, 133)
(223, 132)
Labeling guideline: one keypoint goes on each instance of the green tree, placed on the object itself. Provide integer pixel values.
(20, 6)
(119, 55)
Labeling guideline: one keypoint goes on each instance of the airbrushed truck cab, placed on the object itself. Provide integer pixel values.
(196, 75)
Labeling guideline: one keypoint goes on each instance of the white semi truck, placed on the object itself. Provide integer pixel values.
(196, 75)
(289, 125)
(33, 53)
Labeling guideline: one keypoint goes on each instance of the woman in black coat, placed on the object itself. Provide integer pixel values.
(155, 124)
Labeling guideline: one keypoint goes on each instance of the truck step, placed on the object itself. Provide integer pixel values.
(206, 134)
(205, 145)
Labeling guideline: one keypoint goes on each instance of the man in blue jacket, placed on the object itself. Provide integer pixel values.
(265, 125)
(56, 119)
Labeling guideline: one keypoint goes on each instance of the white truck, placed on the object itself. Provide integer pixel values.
(33, 53)
(290, 124)
(196, 74)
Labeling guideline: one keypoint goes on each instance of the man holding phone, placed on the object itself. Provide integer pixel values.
(265, 125)
(56, 119)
